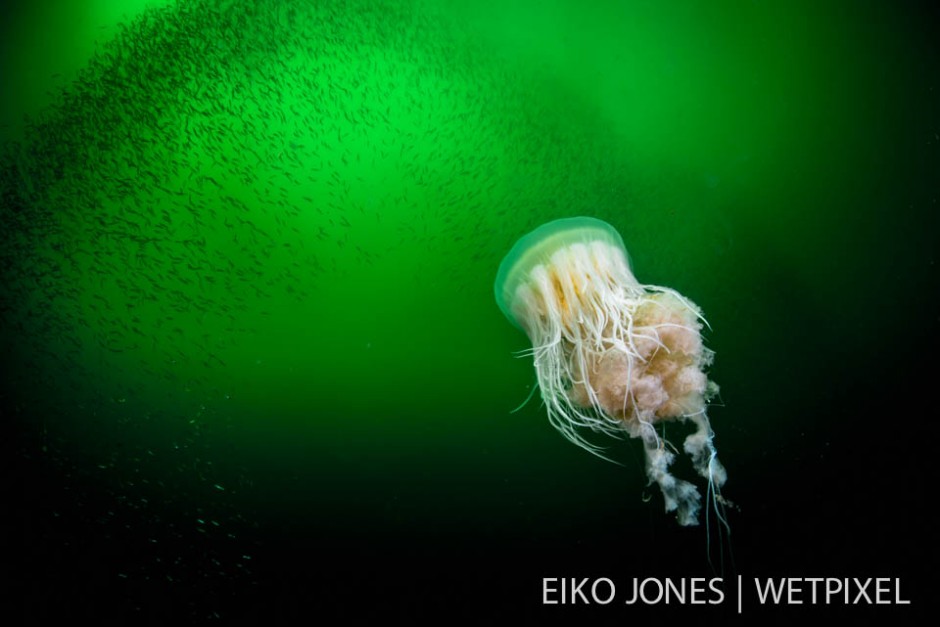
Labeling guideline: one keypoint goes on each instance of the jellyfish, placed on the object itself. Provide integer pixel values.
(613, 356)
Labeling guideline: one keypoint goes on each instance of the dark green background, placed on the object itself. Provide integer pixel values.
(254, 365)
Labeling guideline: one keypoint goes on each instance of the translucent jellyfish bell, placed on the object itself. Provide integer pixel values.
(613, 356)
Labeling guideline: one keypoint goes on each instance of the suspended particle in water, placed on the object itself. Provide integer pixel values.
(613, 356)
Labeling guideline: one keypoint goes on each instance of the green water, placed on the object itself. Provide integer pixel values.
(248, 266)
